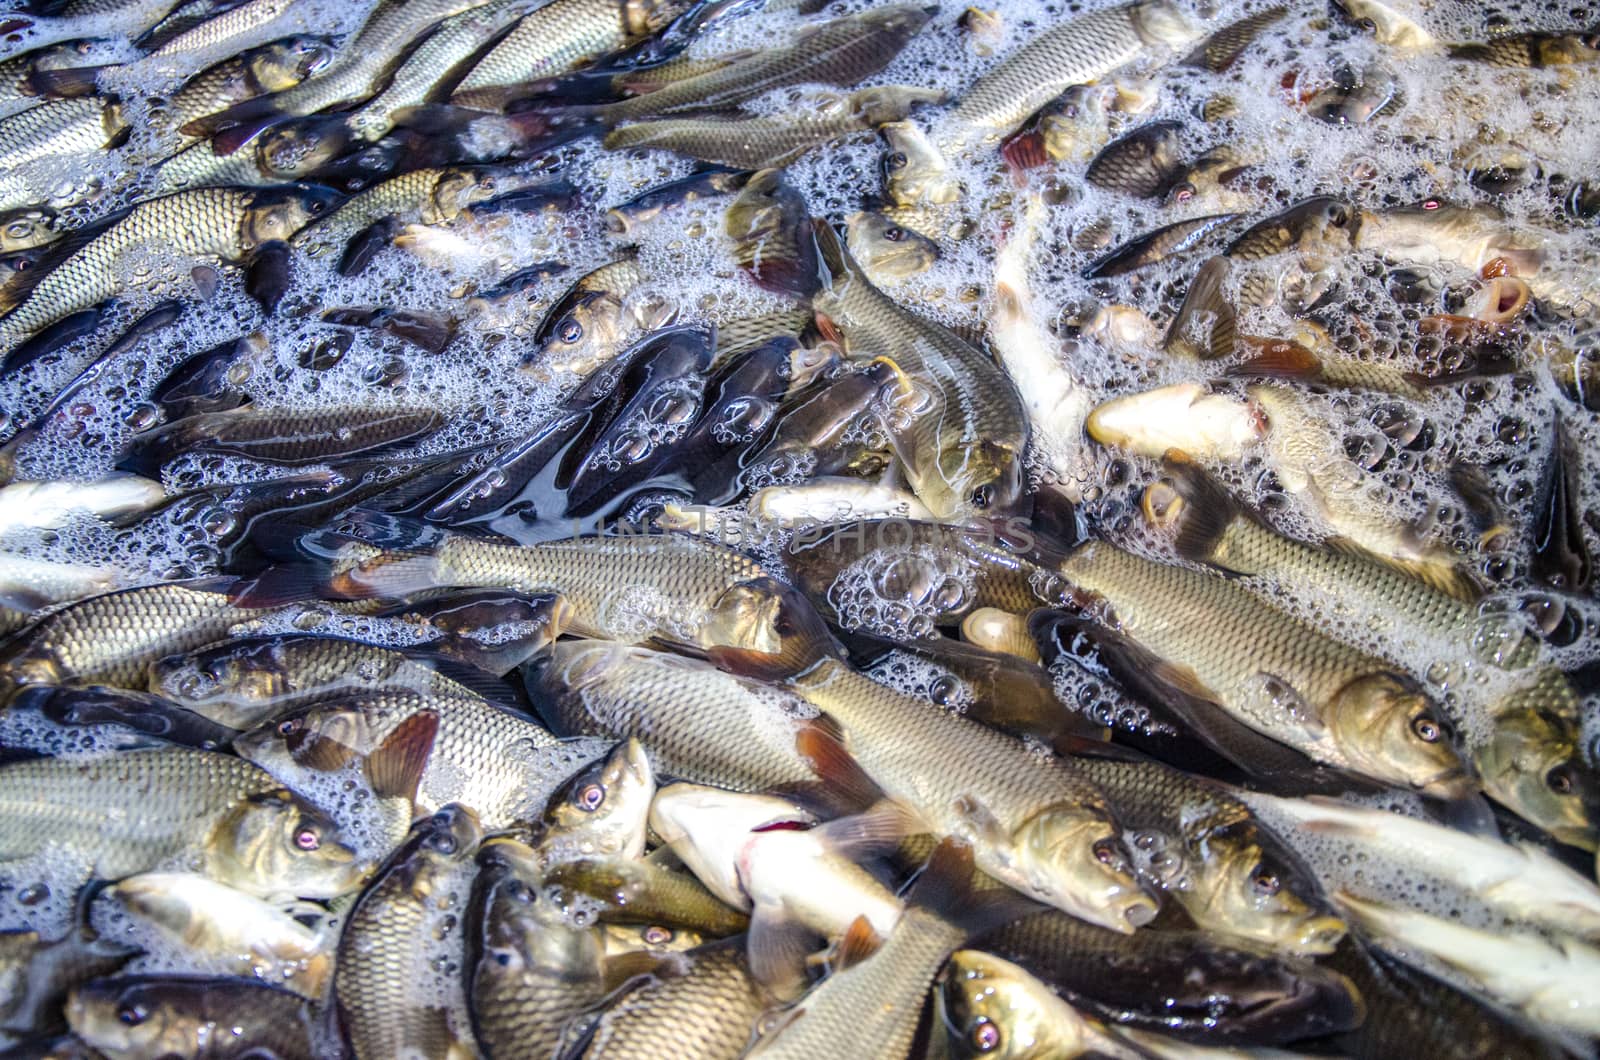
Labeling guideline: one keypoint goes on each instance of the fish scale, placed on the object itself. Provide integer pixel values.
(696, 722)
(840, 52)
(480, 756)
(55, 128)
(239, 27)
(198, 224)
(707, 1013)
(1080, 50)
(562, 35)
(128, 811)
(112, 639)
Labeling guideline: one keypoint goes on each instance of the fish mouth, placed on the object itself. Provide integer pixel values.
(1139, 910)
(1449, 783)
(1321, 935)
(636, 762)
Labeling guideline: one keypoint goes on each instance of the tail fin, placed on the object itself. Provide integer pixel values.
(1199, 511)
(72, 82)
(1205, 326)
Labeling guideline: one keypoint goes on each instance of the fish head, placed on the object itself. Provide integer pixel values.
(764, 628)
(709, 828)
(301, 147)
(914, 171)
(887, 251)
(1391, 731)
(647, 938)
(995, 1009)
(34, 665)
(1073, 122)
(584, 330)
(279, 213)
(515, 933)
(885, 103)
(1531, 764)
(1072, 858)
(456, 189)
(1235, 886)
(644, 17)
(896, 23)
(1385, 21)
(129, 1016)
(283, 64)
(251, 673)
(320, 737)
(980, 478)
(602, 808)
(1163, 22)
(26, 228)
(1322, 229)
(277, 843)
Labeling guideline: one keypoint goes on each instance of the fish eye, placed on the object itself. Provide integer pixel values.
(444, 843)
(131, 1014)
(1338, 215)
(895, 159)
(1367, 25)
(894, 233)
(488, 184)
(1106, 852)
(656, 935)
(1070, 110)
(570, 331)
(307, 839)
(290, 726)
(985, 1036)
(1266, 883)
(316, 207)
(23, 264)
(1560, 780)
(1183, 192)
(589, 797)
(1426, 728)
(982, 497)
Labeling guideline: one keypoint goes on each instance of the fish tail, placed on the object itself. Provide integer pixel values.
(72, 82)
(1200, 511)
(267, 275)
(1205, 326)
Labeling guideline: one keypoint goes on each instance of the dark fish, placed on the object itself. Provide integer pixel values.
(291, 437)
(145, 719)
(209, 381)
(1145, 163)
(1180, 237)
(674, 195)
(1322, 230)
(35, 975)
(1181, 983)
(1222, 49)
(1561, 556)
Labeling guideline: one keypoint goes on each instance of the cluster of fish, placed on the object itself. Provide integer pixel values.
(711, 528)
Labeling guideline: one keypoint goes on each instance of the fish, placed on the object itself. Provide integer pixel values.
(887, 252)
(228, 926)
(79, 126)
(1182, 983)
(35, 975)
(1542, 979)
(207, 224)
(1390, 22)
(1186, 417)
(633, 891)
(244, 681)
(841, 52)
(1056, 401)
(967, 427)
(1202, 845)
(598, 317)
(992, 1007)
(1223, 48)
(133, 1016)
(695, 721)
(762, 142)
(880, 998)
(212, 810)
(239, 28)
(435, 749)
(287, 437)
(273, 67)
(1535, 50)
(675, 588)
(1076, 51)
(118, 717)
(687, 193)
(1155, 247)
(794, 881)
(560, 37)
(529, 970)
(1001, 632)
(376, 974)
(1561, 557)
(708, 1003)
(915, 172)
(111, 638)
(367, 220)
(1144, 163)
(1038, 826)
(1302, 688)
(117, 499)
(1320, 232)
(1520, 881)
(601, 809)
